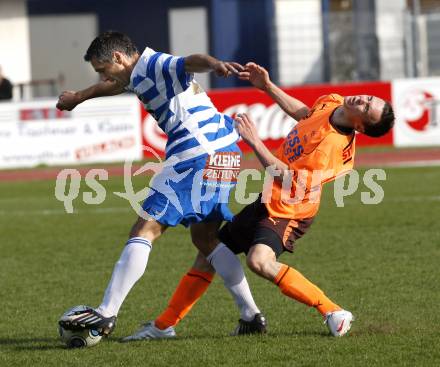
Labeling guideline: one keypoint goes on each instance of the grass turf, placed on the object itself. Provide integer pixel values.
(379, 261)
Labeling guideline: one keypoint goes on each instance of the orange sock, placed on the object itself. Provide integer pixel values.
(190, 289)
(294, 285)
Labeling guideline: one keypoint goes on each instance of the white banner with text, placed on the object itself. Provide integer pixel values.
(100, 130)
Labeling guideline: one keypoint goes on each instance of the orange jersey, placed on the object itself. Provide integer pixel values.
(316, 153)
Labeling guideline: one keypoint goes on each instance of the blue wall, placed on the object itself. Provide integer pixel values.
(239, 29)
(146, 22)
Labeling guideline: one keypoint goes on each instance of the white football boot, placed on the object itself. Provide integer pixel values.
(339, 322)
(150, 331)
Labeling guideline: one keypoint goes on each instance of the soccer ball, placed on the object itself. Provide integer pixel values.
(78, 338)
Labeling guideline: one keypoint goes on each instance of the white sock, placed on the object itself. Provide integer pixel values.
(227, 265)
(127, 271)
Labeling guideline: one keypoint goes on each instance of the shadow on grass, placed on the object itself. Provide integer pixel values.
(42, 344)
(31, 343)
(302, 333)
(254, 337)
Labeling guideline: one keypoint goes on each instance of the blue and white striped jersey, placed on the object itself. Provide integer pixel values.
(180, 106)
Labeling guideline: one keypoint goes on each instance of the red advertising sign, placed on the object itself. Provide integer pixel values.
(417, 110)
(272, 123)
(42, 113)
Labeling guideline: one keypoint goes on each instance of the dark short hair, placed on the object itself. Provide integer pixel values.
(382, 126)
(103, 46)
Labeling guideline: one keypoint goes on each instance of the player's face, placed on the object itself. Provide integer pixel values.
(111, 71)
(363, 109)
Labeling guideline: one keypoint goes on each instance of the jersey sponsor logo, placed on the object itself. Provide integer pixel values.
(222, 166)
(293, 148)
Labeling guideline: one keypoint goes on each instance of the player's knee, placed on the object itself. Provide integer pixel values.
(256, 264)
(262, 263)
(205, 245)
(201, 264)
(261, 259)
(146, 229)
(204, 236)
(197, 241)
(137, 230)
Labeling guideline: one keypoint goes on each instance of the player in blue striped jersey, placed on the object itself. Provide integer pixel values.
(194, 185)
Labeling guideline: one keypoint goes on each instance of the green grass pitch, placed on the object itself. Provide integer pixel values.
(379, 261)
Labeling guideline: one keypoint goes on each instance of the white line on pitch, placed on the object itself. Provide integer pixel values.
(62, 211)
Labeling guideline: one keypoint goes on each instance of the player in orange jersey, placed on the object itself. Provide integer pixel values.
(317, 150)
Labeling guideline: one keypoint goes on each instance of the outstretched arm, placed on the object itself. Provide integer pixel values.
(259, 78)
(199, 63)
(246, 129)
(68, 100)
